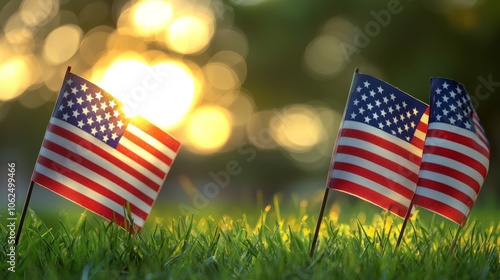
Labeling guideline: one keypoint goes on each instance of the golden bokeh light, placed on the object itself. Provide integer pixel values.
(163, 93)
(190, 34)
(325, 57)
(61, 44)
(150, 16)
(298, 128)
(36, 12)
(13, 77)
(208, 129)
(220, 76)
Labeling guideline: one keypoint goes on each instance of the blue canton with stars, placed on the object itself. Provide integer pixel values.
(376, 103)
(91, 109)
(451, 104)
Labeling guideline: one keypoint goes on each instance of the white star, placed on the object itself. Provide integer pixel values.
(70, 103)
(93, 131)
(353, 115)
(415, 111)
(84, 87)
(372, 93)
(85, 111)
(102, 128)
(61, 107)
(69, 82)
(364, 97)
(406, 127)
(380, 89)
(452, 120)
(393, 132)
(438, 117)
(438, 104)
(467, 125)
(390, 110)
(459, 90)
(74, 90)
(65, 116)
(386, 100)
(369, 106)
(412, 125)
(445, 85)
(98, 95)
(460, 117)
(402, 117)
(452, 94)
(75, 113)
(361, 110)
(116, 113)
(89, 97)
(79, 100)
(383, 113)
(398, 107)
(445, 99)
(408, 114)
(367, 84)
(111, 126)
(404, 105)
(358, 89)
(107, 116)
(380, 125)
(105, 138)
(94, 108)
(438, 91)
(400, 130)
(367, 119)
(375, 115)
(119, 124)
(98, 118)
(114, 136)
(377, 103)
(112, 103)
(103, 105)
(393, 96)
(90, 121)
(395, 120)
(65, 94)
(445, 112)
(356, 102)
(408, 138)
(388, 122)
(80, 124)
(452, 107)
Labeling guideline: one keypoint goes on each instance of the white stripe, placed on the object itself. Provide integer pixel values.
(351, 177)
(372, 148)
(87, 154)
(152, 141)
(420, 134)
(144, 154)
(384, 135)
(449, 181)
(153, 177)
(443, 198)
(425, 118)
(387, 173)
(95, 177)
(77, 187)
(448, 162)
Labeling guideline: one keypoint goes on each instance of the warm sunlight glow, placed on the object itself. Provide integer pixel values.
(13, 78)
(163, 93)
(62, 43)
(150, 17)
(190, 34)
(209, 128)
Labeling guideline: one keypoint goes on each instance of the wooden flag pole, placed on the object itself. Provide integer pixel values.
(23, 214)
(318, 223)
(28, 196)
(403, 227)
(327, 190)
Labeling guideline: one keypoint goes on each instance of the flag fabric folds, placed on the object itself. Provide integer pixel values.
(95, 156)
(456, 154)
(380, 143)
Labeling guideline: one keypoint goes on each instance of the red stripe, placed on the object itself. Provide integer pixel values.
(456, 156)
(374, 177)
(458, 138)
(383, 143)
(102, 153)
(97, 169)
(146, 164)
(58, 168)
(369, 195)
(451, 172)
(157, 133)
(143, 144)
(446, 189)
(417, 142)
(79, 199)
(441, 208)
(380, 160)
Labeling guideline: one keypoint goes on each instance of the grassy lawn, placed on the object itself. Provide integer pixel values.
(266, 245)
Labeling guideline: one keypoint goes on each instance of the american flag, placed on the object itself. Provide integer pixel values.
(456, 154)
(95, 156)
(379, 148)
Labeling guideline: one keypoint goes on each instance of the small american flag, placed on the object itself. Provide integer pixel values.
(456, 154)
(379, 148)
(95, 156)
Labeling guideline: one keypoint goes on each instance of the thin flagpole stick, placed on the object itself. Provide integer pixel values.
(23, 214)
(455, 240)
(30, 190)
(403, 227)
(327, 189)
(318, 223)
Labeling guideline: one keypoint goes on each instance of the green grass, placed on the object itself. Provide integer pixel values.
(269, 245)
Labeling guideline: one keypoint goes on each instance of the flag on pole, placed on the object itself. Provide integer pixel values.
(456, 154)
(379, 148)
(95, 156)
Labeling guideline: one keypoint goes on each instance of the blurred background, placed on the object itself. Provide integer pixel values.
(254, 89)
